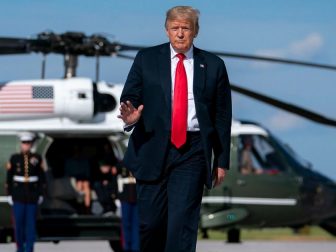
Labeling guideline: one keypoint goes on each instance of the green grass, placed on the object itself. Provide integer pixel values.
(304, 234)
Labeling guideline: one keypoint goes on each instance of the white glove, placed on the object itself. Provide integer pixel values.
(40, 200)
(10, 200)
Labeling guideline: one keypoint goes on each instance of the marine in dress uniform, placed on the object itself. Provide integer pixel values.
(25, 186)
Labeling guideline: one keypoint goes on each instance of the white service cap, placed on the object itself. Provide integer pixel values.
(27, 136)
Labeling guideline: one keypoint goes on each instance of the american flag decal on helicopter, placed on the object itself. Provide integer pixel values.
(26, 99)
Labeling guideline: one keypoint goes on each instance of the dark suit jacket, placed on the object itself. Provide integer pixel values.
(149, 83)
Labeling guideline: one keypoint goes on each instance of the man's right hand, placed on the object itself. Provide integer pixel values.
(129, 114)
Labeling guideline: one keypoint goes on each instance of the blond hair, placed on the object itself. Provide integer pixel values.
(183, 12)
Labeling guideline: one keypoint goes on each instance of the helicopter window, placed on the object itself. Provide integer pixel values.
(82, 96)
(258, 156)
(295, 155)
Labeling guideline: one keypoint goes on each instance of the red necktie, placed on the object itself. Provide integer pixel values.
(180, 105)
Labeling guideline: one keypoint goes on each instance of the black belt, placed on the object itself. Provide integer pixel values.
(193, 133)
(191, 136)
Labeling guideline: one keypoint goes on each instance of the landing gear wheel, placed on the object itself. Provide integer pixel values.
(233, 235)
(116, 246)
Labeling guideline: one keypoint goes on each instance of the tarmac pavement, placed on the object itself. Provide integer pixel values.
(202, 246)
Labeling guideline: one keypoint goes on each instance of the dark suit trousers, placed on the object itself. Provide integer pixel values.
(169, 207)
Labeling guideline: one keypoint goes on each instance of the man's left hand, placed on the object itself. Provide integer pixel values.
(219, 176)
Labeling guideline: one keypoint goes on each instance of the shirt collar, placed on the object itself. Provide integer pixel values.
(189, 54)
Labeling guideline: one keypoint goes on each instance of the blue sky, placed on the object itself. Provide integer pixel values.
(303, 30)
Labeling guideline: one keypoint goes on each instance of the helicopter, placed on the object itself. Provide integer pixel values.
(280, 189)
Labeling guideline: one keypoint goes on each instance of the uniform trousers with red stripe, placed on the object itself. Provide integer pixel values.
(25, 225)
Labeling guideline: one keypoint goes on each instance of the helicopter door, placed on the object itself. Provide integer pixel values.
(263, 179)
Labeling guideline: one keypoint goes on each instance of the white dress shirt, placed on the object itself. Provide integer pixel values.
(188, 63)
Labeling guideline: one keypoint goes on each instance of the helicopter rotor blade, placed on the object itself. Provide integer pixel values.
(14, 46)
(124, 56)
(274, 60)
(313, 116)
(124, 47)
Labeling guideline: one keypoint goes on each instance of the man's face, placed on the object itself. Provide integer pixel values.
(181, 33)
(26, 146)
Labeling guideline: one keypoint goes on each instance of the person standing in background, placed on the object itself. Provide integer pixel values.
(106, 186)
(25, 187)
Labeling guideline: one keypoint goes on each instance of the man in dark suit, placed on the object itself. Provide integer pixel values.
(177, 100)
